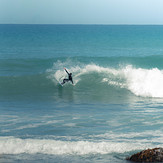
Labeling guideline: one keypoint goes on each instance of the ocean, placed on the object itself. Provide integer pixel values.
(113, 110)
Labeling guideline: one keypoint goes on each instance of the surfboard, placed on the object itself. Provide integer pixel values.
(60, 80)
(60, 83)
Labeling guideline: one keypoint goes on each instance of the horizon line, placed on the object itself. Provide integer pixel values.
(75, 24)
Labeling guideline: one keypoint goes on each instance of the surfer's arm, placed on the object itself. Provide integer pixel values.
(66, 71)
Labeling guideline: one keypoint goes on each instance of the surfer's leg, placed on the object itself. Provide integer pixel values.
(64, 81)
(71, 81)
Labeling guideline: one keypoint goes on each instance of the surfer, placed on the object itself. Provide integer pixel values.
(69, 78)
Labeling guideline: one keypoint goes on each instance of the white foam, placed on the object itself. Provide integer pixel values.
(133, 136)
(52, 122)
(11, 145)
(144, 82)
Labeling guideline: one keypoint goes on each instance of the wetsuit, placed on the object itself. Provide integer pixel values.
(69, 78)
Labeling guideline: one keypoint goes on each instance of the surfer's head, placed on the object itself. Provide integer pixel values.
(70, 73)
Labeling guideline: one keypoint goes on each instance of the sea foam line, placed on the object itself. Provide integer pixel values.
(11, 145)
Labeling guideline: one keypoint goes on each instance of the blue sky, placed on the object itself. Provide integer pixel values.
(81, 11)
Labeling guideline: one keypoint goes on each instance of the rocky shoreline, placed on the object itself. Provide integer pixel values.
(149, 155)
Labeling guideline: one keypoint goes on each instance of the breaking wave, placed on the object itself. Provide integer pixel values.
(90, 80)
(140, 81)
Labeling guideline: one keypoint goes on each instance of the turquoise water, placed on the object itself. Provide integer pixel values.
(114, 108)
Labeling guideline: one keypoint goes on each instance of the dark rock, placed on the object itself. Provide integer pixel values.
(149, 155)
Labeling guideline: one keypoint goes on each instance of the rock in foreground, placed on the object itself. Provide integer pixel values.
(149, 155)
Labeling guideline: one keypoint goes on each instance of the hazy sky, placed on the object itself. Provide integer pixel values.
(81, 11)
